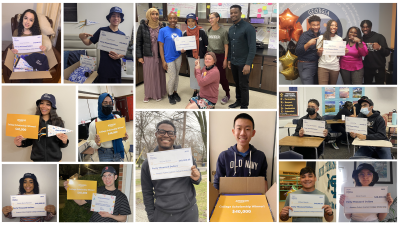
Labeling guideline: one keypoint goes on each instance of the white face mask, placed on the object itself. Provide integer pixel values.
(365, 111)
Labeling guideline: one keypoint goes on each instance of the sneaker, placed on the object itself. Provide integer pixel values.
(195, 93)
(234, 105)
(244, 108)
(176, 97)
(334, 145)
(158, 100)
(343, 142)
(146, 100)
(225, 100)
(171, 99)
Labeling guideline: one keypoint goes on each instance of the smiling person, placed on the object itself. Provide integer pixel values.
(28, 185)
(121, 207)
(109, 70)
(46, 148)
(364, 176)
(174, 199)
(307, 181)
(242, 159)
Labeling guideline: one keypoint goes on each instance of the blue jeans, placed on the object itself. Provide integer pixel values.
(108, 155)
(308, 72)
(374, 152)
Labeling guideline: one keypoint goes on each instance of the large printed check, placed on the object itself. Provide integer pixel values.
(170, 164)
(314, 127)
(306, 205)
(186, 43)
(366, 200)
(113, 42)
(334, 48)
(28, 205)
(356, 125)
(27, 44)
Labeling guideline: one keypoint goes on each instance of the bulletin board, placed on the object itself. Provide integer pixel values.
(288, 104)
(263, 9)
(181, 9)
(333, 98)
(224, 9)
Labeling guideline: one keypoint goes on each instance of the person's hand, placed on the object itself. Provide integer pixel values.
(320, 50)
(285, 211)
(312, 41)
(18, 140)
(141, 60)
(376, 46)
(83, 36)
(197, 63)
(229, 64)
(225, 64)
(51, 209)
(165, 65)
(63, 137)
(389, 199)
(301, 132)
(182, 51)
(97, 140)
(356, 40)
(114, 55)
(125, 137)
(346, 50)
(342, 199)
(246, 69)
(325, 132)
(66, 184)
(327, 209)
(7, 210)
(43, 48)
(353, 135)
(105, 214)
(195, 173)
(361, 136)
(15, 51)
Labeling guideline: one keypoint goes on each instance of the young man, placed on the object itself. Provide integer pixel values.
(312, 109)
(169, 200)
(306, 52)
(242, 159)
(241, 52)
(121, 208)
(110, 62)
(374, 62)
(357, 107)
(376, 131)
(307, 180)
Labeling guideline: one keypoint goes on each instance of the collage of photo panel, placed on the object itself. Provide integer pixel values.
(133, 102)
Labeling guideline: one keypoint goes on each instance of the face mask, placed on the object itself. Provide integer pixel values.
(106, 109)
(191, 28)
(311, 111)
(364, 111)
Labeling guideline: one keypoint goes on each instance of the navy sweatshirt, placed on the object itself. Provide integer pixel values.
(376, 126)
(232, 164)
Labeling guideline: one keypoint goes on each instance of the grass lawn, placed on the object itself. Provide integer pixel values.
(201, 197)
(204, 173)
(138, 182)
(139, 197)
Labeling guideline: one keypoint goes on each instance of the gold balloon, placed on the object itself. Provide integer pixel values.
(291, 73)
(288, 59)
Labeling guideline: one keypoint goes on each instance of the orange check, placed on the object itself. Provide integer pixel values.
(81, 189)
(111, 129)
(25, 125)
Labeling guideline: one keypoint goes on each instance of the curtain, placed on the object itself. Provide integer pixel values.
(52, 11)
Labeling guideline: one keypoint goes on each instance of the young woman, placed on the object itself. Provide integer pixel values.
(339, 127)
(218, 43)
(364, 176)
(148, 54)
(201, 42)
(351, 65)
(28, 185)
(46, 148)
(328, 66)
(208, 79)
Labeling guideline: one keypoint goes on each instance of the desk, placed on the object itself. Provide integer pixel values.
(372, 143)
(289, 125)
(305, 142)
(335, 121)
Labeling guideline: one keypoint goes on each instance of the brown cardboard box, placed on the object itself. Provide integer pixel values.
(9, 63)
(72, 68)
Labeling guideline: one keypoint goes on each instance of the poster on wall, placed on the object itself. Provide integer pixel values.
(288, 104)
(326, 182)
(334, 98)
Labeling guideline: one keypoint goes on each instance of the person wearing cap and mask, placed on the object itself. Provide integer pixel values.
(45, 148)
(109, 70)
(121, 207)
(376, 130)
(364, 176)
(312, 110)
(357, 107)
(28, 185)
(109, 151)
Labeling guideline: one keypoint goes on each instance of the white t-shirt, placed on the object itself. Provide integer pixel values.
(364, 217)
(327, 61)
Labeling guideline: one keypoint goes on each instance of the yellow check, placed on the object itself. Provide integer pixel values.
(25, 125)
(81, 189)
(111, 129)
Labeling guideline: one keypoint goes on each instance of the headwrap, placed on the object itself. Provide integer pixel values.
(151, 23)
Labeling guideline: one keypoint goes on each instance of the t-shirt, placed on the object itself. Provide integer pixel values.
(167, 36)
(216, 40)
(121, 205)
(330, 62)
(364, 217)
(344, 111)
(307, 219)
(108, 67)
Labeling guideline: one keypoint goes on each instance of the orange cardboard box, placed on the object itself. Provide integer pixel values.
(25, 125)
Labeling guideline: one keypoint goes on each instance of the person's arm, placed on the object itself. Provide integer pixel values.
(147, 191)
(92, 135)
(229, 52)
(251, 43)
(363, 51)
(205, 38)
(85, 38)
(220, 171)
(380, 134)
(196, 182)
(284, 214)
(328, 212)
(62, 138)
(320, 50)
(298, 127)
(139, 42)
(384, 51)
(328, 135)
(212, 76)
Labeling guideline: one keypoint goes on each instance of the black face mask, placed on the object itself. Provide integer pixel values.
(311, 111)
(107, 109)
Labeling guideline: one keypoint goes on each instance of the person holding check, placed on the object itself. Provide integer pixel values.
(364, 176)
(340, 127)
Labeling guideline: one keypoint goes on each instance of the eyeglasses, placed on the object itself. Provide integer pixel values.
(211, 18)
(163, 132)
(365, 174)
(108, 176)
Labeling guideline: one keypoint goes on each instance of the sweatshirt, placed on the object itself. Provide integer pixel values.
(173, 195)
(300, 125)
(231, 163)
(376, 126)
(208, 81)
(376, 59)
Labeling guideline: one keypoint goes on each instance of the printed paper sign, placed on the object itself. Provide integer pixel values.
(81, 189)
(186, 43)
(25, 125)
(113, 42)
(28, 205)
(314, 127)
(53, 130)
(111, 129)
(356, 125)
(103, 203)
(87, 61)
(27, 44)
(306, 205)
(170, 164)
(366, 200)
(334, 48)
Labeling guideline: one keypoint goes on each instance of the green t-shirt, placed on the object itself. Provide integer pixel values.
(307, 219)
(216, 40)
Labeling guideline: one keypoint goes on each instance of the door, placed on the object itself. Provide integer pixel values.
(122, 107)
(130, 107)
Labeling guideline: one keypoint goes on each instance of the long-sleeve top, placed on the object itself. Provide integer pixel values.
(311, 53)
(376, 126)
(242, 43)
(208, 81)
(300, 125)
(92, 136)
(376, 59)
(352, 61)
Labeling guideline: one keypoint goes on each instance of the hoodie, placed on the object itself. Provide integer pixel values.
(376, 59)
(231, 163)
(300, 125)
(376, 126)
(172, 196)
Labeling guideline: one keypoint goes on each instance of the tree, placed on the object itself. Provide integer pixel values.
(202, 119)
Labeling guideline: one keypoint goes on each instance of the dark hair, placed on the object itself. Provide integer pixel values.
(327, 33)
(244, 116)
(314, 18)
(314, 101)
(368, 22)
(21, 186)
(35, 29)
(364, 97)
(54, 119)
(358, 183)
(166, 122)
(216, 15)
(306, 170)
(359, 35)
(236, 6)
(348, 104)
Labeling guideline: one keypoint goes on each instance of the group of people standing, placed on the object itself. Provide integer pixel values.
(316, 68)
(216, 49)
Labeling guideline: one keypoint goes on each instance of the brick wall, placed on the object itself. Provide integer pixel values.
(120, 176)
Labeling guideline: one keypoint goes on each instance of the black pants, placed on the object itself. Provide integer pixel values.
(309, 153)
(378, 73)
(189, 215)
(242, 85)
(342, 129)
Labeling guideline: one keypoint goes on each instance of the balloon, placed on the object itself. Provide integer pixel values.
(291, 73)
(292, 47)
(284, 35)
(288, 59)
(287, 20)
(282, 50)
(296, 32)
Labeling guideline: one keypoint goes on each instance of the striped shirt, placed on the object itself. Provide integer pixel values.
(311, 53)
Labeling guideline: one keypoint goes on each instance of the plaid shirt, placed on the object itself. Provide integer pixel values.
(311, 53)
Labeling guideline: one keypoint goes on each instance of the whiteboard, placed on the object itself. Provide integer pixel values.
(83, 110)
(93, 108)
(264, 9)
(181, 9)
(224, 9)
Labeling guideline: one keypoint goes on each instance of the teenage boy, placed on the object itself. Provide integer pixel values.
(307, 180)
(242, 159)
(174, 199)
(357, 107)
(109, 70)
(121, 208)
(376, 130)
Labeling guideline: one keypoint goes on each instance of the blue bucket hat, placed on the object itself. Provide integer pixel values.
(115, 9)
(191, 16)
(48, 97)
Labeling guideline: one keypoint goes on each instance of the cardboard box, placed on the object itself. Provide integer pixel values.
(9, 63)
(72, 68)
(226, 210)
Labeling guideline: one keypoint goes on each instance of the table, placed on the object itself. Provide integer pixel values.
(335, 121)
(305, 142)
(390, 125)
(289, 125)
(373, 143)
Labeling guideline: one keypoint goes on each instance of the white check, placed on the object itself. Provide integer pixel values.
(186, 43)
(27, 44)
(170, 164)
(314, 127)
(28, 205)
(104, 203)
(334, 48)
(366, 200)
(356, 125)
(306, 205)
(113, 42)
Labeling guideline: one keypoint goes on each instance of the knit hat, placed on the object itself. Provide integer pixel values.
(191, 16)
(38, 61)
(115, 9)
(48, 97)
(109, 169)
(368, 167)
(213, 56)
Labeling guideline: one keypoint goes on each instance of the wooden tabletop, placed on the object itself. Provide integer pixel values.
(309, 142)
(373, 143)
(335, 121)
(290, 125)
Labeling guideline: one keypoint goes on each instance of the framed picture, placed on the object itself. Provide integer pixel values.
(384, 170)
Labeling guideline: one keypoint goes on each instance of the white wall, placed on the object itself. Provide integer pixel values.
(8, 11)
(46, 175)
(121, 90)
(22, 100)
